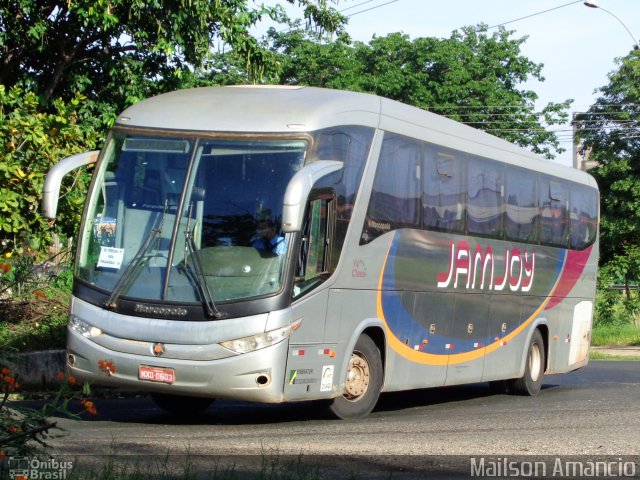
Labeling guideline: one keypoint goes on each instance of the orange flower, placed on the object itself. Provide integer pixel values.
(39, 294)
(14, 429)
(10, 380)
(107, 367)
(5, 371)
(88, 405)
(60, 376)
(71, 380)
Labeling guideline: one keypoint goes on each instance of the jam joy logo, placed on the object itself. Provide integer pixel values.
(483, 269)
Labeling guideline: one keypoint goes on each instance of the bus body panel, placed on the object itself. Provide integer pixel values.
(253, 109)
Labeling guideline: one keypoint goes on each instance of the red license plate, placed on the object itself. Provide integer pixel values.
(156, 374)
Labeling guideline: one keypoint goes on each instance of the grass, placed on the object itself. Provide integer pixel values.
(615, 335)
(212, 467)
(596, 355)
(626, 335)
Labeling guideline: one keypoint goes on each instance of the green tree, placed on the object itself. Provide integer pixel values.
(31, 142)
(119, 51)
(610, 132)
(472, 77)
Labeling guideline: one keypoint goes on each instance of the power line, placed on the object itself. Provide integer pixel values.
(356, 5)
(372, 8)
(353, 14)
(535, 14)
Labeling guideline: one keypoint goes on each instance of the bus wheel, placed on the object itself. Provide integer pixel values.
(363, 381)
(181, 405)
(531, 382)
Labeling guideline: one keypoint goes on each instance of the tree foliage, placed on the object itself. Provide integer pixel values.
(119, 51)
(471, 77)
(31, 142)
(610, 132)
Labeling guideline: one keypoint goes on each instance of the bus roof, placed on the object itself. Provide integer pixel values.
(291, 109)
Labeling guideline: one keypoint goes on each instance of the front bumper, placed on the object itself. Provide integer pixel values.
(256, 376)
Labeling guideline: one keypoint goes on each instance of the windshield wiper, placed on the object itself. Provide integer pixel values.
(137, 261)
(198, 275)
(197, 272)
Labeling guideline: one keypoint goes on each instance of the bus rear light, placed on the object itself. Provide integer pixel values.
(257, 342)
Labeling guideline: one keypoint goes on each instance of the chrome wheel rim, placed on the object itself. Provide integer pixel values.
(358, 377)
(535, 362)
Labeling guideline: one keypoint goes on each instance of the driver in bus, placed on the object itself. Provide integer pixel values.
(268, 239)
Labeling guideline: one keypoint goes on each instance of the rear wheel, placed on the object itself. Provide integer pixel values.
(181, 405)
(531, 382)
(363, 381)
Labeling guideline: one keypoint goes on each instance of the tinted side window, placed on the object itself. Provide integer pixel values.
(349, 144)
(521, 218)
(583, 216)
(396, 188)
(444, 194)
(554, 221)
(485, 198)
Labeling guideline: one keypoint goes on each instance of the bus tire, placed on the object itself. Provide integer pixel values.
(363, 381)
(181, 405)
(531, 382)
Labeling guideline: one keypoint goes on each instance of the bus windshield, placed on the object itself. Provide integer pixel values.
(184, 219)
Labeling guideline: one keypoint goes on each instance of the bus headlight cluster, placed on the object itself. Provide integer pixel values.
(83, 328)
(256, 342)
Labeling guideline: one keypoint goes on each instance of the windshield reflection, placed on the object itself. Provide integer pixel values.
(226, 191)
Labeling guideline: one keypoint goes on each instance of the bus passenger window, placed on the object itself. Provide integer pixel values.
(521, 197)
(486, 198)
(444, 192)
(396, 188)
(583, 216)
(554, 225)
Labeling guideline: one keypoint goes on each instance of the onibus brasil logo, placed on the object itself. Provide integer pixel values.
(26, 468)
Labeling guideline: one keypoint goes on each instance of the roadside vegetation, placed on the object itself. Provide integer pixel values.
(265, 466)
(620, 335)
(617, 312)
(34, 301)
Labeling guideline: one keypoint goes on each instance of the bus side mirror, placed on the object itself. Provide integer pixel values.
(295, 197)
(54, 179)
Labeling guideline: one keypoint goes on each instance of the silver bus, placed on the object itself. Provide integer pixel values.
(280, 244)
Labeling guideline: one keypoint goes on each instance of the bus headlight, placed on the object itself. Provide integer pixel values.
(256, 342)
(83, 328)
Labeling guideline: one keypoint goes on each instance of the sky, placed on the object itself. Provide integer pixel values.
(578, 45)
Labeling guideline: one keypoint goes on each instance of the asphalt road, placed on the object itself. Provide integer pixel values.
(593, 411)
